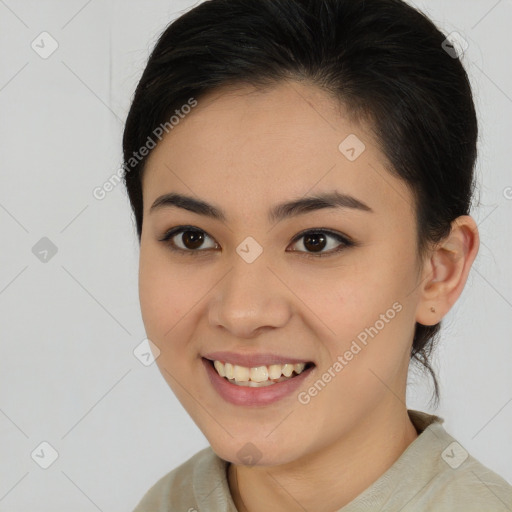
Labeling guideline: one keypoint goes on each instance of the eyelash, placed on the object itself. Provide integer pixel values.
(346, 242)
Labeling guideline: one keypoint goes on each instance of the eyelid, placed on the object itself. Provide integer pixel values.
(177, 230)
(328, 231)
(344, 241)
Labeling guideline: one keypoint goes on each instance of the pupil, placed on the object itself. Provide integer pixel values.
(192, 239)
(315, 242)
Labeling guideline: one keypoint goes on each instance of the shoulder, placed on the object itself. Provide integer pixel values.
(464, 483)
(435, 472)
(456, 480)
(186, 485)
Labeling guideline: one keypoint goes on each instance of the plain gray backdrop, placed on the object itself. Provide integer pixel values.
(70, 317)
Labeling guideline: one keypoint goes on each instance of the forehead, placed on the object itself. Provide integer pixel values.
(243, 145)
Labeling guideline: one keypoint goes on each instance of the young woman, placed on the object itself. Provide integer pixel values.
(301, 174)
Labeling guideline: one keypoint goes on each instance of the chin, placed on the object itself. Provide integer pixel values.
(253, 453)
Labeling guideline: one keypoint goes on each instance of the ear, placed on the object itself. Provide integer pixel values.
(446, 270)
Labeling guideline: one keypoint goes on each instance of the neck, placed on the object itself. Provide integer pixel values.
(330, 479)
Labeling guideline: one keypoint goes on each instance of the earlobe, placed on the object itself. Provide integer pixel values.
(446, 271)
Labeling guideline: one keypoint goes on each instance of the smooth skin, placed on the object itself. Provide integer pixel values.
(244, 150)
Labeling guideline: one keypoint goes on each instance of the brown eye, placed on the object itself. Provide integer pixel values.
(192, 239)
(188, 240)
(315, 241)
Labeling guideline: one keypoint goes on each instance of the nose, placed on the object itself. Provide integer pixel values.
(249, 299)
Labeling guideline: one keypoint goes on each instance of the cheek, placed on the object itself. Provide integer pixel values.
(166, 294)
(366, 315)
(348, 300)
(366, 357)
(169, 297)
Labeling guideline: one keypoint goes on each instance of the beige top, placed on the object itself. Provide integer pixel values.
(434, 473)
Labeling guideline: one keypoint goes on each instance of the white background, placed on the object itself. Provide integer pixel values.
(69, 326)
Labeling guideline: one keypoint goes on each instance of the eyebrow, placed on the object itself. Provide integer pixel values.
(277, 213)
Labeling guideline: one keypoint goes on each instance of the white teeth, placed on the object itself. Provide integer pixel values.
(259, 375)
(229, 371)
(252, 384)
(220, 368)
(274, 371)
(287, 370)
(299, 367)
(240, 373)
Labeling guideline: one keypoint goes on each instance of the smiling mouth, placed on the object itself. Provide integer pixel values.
(259, 376)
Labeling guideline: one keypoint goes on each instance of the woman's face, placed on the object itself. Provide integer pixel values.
(253, 290)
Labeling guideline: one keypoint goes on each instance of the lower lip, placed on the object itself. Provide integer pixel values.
(244, 395)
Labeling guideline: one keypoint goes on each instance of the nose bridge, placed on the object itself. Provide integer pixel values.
(249, 297)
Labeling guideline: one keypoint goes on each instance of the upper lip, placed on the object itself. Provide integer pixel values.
(252, 360)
